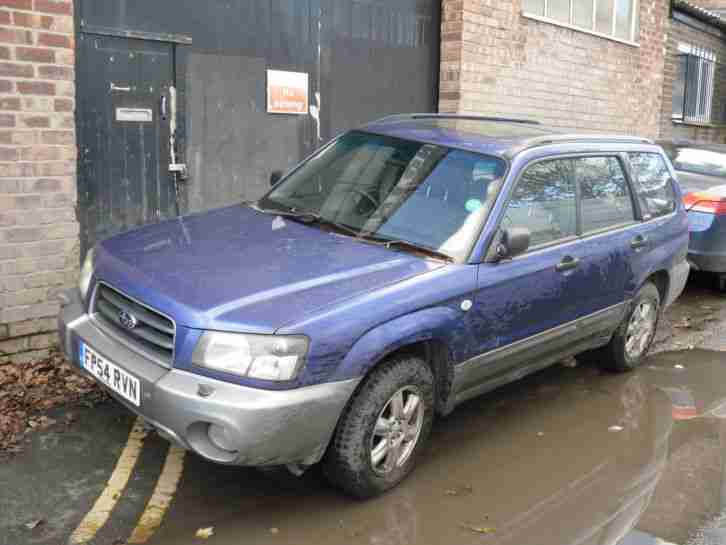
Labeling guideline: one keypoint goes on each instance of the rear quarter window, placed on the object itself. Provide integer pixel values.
(653, 184)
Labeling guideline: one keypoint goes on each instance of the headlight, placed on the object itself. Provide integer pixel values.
(268, 357)
(86, 273)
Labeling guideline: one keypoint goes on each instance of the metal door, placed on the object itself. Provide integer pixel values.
(123, 131)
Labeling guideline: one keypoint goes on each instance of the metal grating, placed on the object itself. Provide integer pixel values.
(153, 333)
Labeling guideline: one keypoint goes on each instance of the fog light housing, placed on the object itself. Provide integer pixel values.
(219, 437)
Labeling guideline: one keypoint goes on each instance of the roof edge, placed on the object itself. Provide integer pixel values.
(700, 13)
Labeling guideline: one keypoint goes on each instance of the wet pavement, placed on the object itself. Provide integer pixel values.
(570, 455)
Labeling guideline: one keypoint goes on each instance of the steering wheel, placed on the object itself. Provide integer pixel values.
(363, 193)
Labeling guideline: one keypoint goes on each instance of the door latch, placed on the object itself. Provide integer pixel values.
(180, 169)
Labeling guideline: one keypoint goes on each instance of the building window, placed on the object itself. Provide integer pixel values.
(612, 18)
(696, 76)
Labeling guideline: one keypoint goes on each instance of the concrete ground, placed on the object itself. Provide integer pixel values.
(569, 455)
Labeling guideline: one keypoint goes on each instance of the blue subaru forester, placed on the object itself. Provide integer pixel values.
(400, 270)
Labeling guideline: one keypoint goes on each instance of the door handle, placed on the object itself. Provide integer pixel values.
(639, 242)
(568, 263)
(162, 107)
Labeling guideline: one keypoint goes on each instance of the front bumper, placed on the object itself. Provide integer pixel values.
(264, 427)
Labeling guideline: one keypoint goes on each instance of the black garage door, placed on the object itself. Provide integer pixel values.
(364, 59)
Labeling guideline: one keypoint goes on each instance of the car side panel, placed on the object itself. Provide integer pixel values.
(348, 339)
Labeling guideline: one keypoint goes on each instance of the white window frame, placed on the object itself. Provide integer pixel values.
(633, 40)
(705, 76)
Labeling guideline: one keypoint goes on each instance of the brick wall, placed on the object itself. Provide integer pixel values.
(38, 228)
(497, 62)
(689, 31)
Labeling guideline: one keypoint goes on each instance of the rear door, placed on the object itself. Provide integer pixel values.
(657, 240)
(608, 219)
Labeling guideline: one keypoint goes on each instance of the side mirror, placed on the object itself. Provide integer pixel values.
(514, 241)
(275, 176)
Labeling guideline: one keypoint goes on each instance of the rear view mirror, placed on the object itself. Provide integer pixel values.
(275, 176)
(514, 241)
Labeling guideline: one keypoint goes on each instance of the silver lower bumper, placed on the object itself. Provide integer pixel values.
(262, 427)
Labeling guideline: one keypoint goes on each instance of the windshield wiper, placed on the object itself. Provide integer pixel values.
(308, 216)
(405, 244)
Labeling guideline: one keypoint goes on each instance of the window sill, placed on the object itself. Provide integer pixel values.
(701, 124)
(555, 22)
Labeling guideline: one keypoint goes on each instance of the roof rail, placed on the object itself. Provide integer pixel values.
(564, 137)
(469, 117)
(576, 138)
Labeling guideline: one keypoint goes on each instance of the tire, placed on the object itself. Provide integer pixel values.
(349, 462)
(617, 355)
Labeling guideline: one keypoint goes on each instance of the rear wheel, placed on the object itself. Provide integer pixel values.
(631, 341)
(381, 433)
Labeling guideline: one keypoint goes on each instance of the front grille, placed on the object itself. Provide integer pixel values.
(153, 333)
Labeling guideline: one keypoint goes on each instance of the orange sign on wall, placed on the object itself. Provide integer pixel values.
(287, 92)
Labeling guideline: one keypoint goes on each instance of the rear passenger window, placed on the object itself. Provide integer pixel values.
(653, 184)
(544, 202)
(604, 193)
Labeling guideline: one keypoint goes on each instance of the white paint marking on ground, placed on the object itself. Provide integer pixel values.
(101, 510)
(160, 500)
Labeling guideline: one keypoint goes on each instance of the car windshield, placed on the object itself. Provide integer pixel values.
(699, 161)
(395, 189)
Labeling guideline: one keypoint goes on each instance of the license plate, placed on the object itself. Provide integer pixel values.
(110, 374)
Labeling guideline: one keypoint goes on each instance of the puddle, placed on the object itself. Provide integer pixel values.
(568, 456)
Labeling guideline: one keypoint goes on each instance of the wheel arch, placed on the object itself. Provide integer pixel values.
(661, 279)
(426, 334)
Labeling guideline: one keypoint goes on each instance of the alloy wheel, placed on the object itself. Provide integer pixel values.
(397, 430)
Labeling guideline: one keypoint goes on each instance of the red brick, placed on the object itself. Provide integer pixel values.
(14, 70)
(55, 40)
(4, 17)
(9, 154)
(35, 54)
(63, 105)
(64, 7)
(35, 121)
(55, 72)
(32, 20)
(36, 88)
(17, 4)
(42, 153)
(16, 36)
(9, 103)
(7, 120)
(58, 138)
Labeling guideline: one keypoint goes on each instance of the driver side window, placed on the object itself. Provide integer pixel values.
(544, 202)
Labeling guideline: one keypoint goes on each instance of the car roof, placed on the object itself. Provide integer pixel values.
(504, 137)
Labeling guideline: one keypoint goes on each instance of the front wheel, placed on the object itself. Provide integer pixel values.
(631, 341)
(381, 433)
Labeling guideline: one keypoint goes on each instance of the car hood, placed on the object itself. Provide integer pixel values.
(236, 269)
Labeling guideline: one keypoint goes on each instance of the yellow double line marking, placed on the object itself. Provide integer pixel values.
(159, 502)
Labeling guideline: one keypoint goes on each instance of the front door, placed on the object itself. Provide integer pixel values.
(527, 309)
(123, 132)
